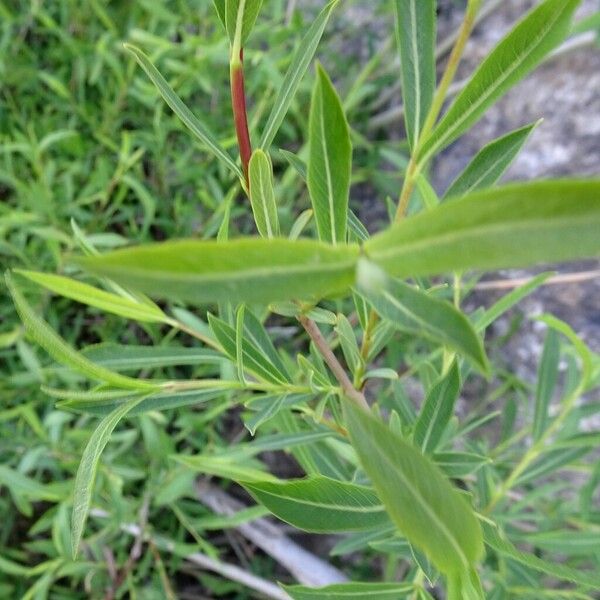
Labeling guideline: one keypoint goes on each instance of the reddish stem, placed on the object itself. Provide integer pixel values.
(238, 98)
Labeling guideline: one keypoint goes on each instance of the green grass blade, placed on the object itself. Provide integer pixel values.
(87, 294)
(321, 504)
(262, 195)
(415, 33)
(516, 55)
(86, 473)
(60, 351)
(490, 163)
(297, 69)
(245, 270)
(427, 509)
(512, 226)
(183, 112)
(330, 161)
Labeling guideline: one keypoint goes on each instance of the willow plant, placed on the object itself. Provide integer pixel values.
(416, 485)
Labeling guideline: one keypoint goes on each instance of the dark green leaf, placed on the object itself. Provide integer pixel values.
(546, 383)
(346, 591)
(262, 195)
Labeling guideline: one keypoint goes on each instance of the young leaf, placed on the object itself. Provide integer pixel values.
(412, 310)
(349, 591)
(240, 16)
(320, 504)
(516, 225)
(262, 195)
(87, 294)
(245, 270)
(437, 411)
(427, 509)
(515, 56)
(60, 351)
(330, 161)
(183, 112)
(415, 32)
(490, 163)
(86, 473)
(300, 63)
(546, 383)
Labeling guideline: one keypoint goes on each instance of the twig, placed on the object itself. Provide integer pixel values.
(305, 567)
(334, 364)
(509, 284)
(226, 570)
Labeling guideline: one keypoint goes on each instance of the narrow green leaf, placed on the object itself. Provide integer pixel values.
(571, 542)
(21, 485)
(437, 411)
(256, 358)
(86, 473)
(427, 509)
(348, 342)
(60, 351)
(415, 33)
(296, 71)
(320, 504)
(262, 195)
(239, 342)
(516, 55)
(183, 112)
(555, 569)
(87, 294)
(330, 161)
(296, 163)
(490, 163)
(412, 310)
(244, 270)
(240, 16)
(224, 467)
(516, 225)
(459, 464)
(220, 8)
(546, 382)
(346, 591)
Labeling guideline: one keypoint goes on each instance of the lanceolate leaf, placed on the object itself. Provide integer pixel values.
(246, 270)
(415, 30)
(241, 14)
(427, 509)
(87, 294)
(183, 112)
(320, 504)
(262, 195)
(220, 8)
(351, 591)
(516, 55)
(86, 473)
(490, 163)
(517, 225)
(300, 63)
(330, 161)
(437, 411)
(412, 310)
(546, 383)
(60, 351)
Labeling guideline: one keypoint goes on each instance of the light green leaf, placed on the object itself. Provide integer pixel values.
(183, 112)
(346, 591)
(437, 411)
(320, 504)
(87, 294)
(555, 569)
(516, 225)
(516, 55)
(60, 351)
(256, 347)
(490, 163)
(224, 467)
(244, 270)
(427, 509)
(546, 382)
(412, 310)
(240, 16)
(415, 33)
(300, 63)
(86, 473)
(220, 8)
(348, 342)
(262, 195)
(21, 485)
(459, 464)
(330, 161)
